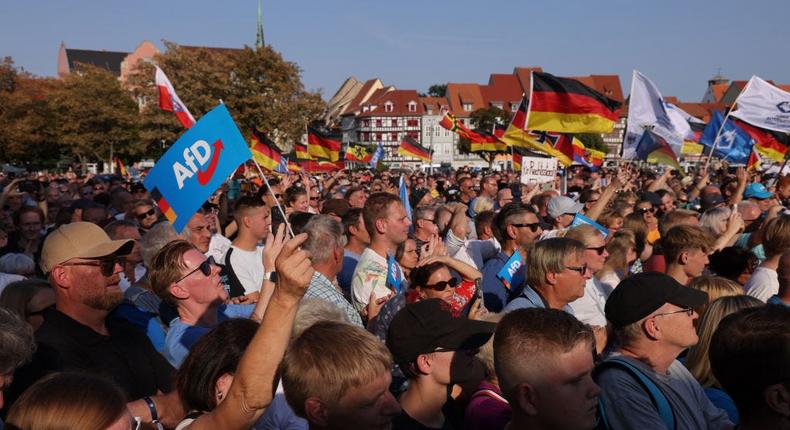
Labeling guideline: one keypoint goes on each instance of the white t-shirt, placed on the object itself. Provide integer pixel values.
(218, 247)
(589, 308)
(248, 266)
(763, 284)
(370, 275)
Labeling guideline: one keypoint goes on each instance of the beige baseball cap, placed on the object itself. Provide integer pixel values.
(80, 240)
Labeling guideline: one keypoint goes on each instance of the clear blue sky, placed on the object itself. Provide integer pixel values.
(413, 44)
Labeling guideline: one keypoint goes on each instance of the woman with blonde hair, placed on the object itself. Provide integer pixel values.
(716, 287)
(622, 254)
(75, 401)
(697, 360)
(613, 221)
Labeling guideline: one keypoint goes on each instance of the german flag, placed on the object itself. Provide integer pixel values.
(769, 144)
(358, 154)
(754, 159)
(518, 155)
(120, 167)
(319, 166)
(655, 149)
(323, 145)
(567, 106)
(300, 152)
(264, 151)
(483, 141)
(450, 122)
(410, 148)
(517, 136)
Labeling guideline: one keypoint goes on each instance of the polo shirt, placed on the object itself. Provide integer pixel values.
(530, 298)
(126, 356)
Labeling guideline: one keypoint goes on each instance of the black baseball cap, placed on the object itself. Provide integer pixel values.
(639, 295)
(425, 326)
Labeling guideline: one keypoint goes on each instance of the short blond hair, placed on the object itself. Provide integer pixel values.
(328, 359)
(548, 256)
(776, 236)
(684, 238)
(584, 233)
(166, 267)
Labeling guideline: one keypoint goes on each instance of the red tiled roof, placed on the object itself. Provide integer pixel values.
(523, 75)
(400, 100)
(718, 90)
(608, 85)
(460, 94)
(502, 88)
(436, 104)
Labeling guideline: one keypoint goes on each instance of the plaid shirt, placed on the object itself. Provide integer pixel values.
(322, 288)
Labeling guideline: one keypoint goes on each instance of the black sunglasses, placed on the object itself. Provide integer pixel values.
(144, 215)
(646, 210)
(204, 267)
(532, 226)
(441, 285)
(581, 269)
(600, 249)
(106, 265)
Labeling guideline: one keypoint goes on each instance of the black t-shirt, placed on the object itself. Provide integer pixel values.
(126, 356)
(453, 419)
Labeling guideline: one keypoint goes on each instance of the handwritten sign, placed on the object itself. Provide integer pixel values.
(538, 170)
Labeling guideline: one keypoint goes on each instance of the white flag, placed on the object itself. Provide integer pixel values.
(763, 105)
(680, 121)
(647, 110)
(169, 101)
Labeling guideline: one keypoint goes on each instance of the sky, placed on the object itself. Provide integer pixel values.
(679, 44)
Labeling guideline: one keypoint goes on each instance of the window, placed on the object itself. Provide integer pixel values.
(378, 137)
(394, 136)
(497, 105)
(394, 122)
(412, 107)
(365, 123)
(513, 106)
(378, 123)
(388, 107)
(366, 136)
(468, 107)
(412, 123)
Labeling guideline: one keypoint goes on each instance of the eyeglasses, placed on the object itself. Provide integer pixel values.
(600, 249)
(646, 210)
(204, 267)
(106, 265)
(687, 311)
(314, 198)
(146, 214)
(441, 285)
(581, 269)
(532, 226)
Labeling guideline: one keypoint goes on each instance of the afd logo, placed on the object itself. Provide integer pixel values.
(784, 107)
(197, 156)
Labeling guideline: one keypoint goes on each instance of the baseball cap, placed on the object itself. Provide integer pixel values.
(424, 326)
(711, 200)
(80, 240)
(639, 295)
(757, 191)
(559, 205)
(338, 207)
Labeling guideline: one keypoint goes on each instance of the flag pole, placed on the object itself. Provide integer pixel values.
(724, 122)
(277, 202)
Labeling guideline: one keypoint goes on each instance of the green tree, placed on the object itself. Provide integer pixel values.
(437, 90)
(92, 112)
(260, 89)
(593, 141)
(484, 119)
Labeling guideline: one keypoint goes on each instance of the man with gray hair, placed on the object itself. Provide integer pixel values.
(556, 275)
(16, 337)
(325, 243)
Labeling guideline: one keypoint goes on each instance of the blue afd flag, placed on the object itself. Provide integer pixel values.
(394, 273)
(509, 269)
(374, 161)
(580, 219)
(404, 197)
(735, 144)
(196, 165)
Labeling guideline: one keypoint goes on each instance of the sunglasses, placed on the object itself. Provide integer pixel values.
(581, 269)
(532, 226)
(314, 198)
(146, 214)
(204, 267)
(600, 249)
(106, 265)
(441, 285)
(646, 210)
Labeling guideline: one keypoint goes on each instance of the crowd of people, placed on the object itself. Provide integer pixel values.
(619, 298)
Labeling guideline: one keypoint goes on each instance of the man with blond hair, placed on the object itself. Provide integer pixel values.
(686, 250)
(553, 389)
(337, 376)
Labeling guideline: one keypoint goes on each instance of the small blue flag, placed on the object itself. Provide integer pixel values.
(374, 161)
(735, 144)
(404, 197)
(196, 165)
(580, 219)
(394, 273)
(283, 166)
(509, 269)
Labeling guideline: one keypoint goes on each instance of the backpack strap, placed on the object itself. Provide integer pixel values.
(489, 393)
(657, 396)
(236, 288)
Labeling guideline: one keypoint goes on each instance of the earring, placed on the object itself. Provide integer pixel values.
(220, 395)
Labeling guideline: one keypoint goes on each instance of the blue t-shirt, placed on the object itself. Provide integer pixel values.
(495, 294)
(723, 401)
(530, 298)
(346, 274)
(147, 322)
(182, 336)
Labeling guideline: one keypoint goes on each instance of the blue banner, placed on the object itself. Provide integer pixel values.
(394, 273)
(196, 165)
(580, 219)
(735, 144)
(403, 193)
(509, 269)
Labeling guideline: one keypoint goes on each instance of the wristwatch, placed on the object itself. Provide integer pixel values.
(270, 276)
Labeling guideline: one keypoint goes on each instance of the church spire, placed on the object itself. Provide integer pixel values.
(259, 42)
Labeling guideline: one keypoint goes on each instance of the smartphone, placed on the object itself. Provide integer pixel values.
(277, 219)
(477, 296)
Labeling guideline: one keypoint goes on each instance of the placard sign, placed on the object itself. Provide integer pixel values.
(538, 170)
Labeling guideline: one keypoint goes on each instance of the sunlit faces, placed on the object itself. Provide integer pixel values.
(439, 285)
(674, 325)
(695, 262)
(199, 232)
(91, 287)
(527, 230)
(397, 223)
(409, 259)
(258, 220)
(196, 285)
(595, 253)
(565, 396)
(368, 406)
(570, 281)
